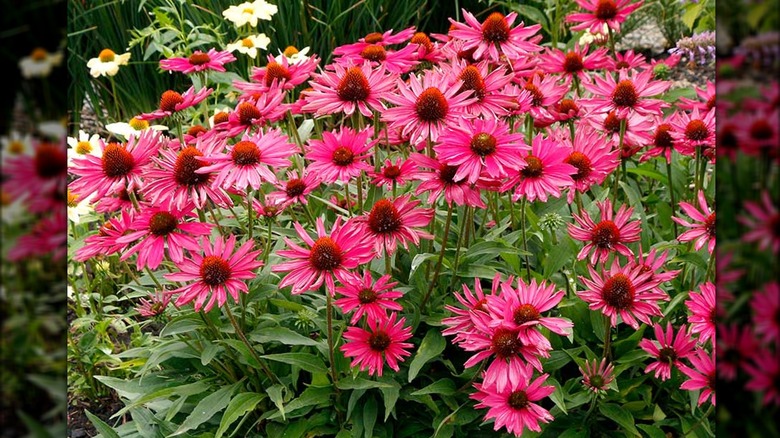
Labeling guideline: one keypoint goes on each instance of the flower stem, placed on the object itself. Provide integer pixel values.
(607, 338)
(525, 240)
(241, 335)
(620, 151)
(700, 420)
(437, 270)
(671, 194)
(331, 346)
(360, 192)
(388, 262)
(250, 221)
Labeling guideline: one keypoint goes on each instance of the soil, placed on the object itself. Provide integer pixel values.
(79, 425)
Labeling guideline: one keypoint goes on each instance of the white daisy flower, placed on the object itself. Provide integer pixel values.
(83, 145)
(12, 211)
(250, 44)
(250, 12)
(78, 207)
(107, 63)
(293, 55)
(40, 63)
(53, 129)
(132, 128)
(16, 144)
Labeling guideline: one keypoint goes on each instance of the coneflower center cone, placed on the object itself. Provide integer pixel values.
(247, 113)
(618, 292)
(667, 355)
(473, 80)
(572, 62)
(536, 94)
(612, 123)
(50, 160)
(447, 173)
(162, 223)
(199, 58)
(391, 172)
(374, 53)
(373, 38)
(759, 130)
(354, 86)
(422, 39)
(606, 10)
(663, 137)
(325, 254)
(709, 224)
(276, 71)
(384, 217)
(106, 55)
(605, 234)
(431, 105)
(342, 156)
(518, 400)
(214, 270)
(294, 187)
(245, 153)
(582, 163)
(483, 144)
(505, 343)
(117, 161)
(625, 94)
(696, 130)
(525, 313)
(169, 100)
(186, 164)
(367, 296)
(379, 341)
(534, 167)
(495, 28)
(83, 147)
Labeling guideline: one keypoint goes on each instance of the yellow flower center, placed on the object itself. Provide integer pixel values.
(72, 199)
(16, 147)
(248, 10)
(106, 55)
(39, 54)
(290, 51)
(138, 124)
(83, 147)
(247, 42)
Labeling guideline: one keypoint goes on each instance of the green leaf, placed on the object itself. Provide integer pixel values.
(281, 334)
(418, 260)
(240, 405)
(535, 15)
(311, 396)
(209, 352)
(559, 255)
(207, 407)
(353, 399)
(275, 394)
(361, 383)
(390, 397)
(305, 361)
(101, 426)
(620, 416)
(652, 431)
(431, 347)
(369, 417)
(692, 12)
(444, 387)
(558, 396)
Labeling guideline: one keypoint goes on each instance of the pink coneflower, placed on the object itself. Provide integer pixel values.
(384, 342)
(630, 94)
(601, 12)
(394, 174)
(118, 201)
(480, 145)
(486, 86)
(762, 222)
(42, 174)
(106, 240)
(735, 346)
(441, 180)
(269, 208)
(462, 325)
(638, 133)
(426, 105)
(652, 262)
(47, 238)
(496, 36)
(593, 158)
(766, 309)
(512, 407)
(610, 234)
(426, 49)
(375, 55)
(701, 375)
(521, 307)
(627, 60)
(668, 350)
(565, 110)
(381, 39)
(118, 168)
(198, 62)
(176, 182)
(392, 222)
(286, 76)
(702, 231)
(161, 228)
(369, 298)
(217, 272)
(257, 111)
(510, 350)
(596, 377)
(340, 156)
(172, 102)
(764, 372)
(247, 162)
(545, 171)
(575, 62)
(331, 256)
(662, 141)
(545, 91)
(691, 131)
(702, 308)
(154, 306)
(296, 188)
(349, 89)
(622, 291)
(759, 132)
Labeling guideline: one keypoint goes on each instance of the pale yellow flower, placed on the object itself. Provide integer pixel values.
(107, 63)
(250, 12)
(133, 127)
(250, 44)
(40, 63)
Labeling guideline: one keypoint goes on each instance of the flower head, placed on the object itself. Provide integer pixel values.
(764, 373)
(398, 173)
(391, 222)
(496, 36)
(215, 273)
(199, 61)
(441, 179)
(610, 234)
(702, 228)
(349, 89)
(766, 309)
(763, 223)
(596, 376)
(383, 342)
(341, 155)
(369, 298)
(701, 375)
(154, 306)
(702, 307)
(39, 63)
(602, 13)
(630, 93)
(107, 63)
(542, 172)
(250, 44)
(250, 12)
(669, 350)
(172, 102)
